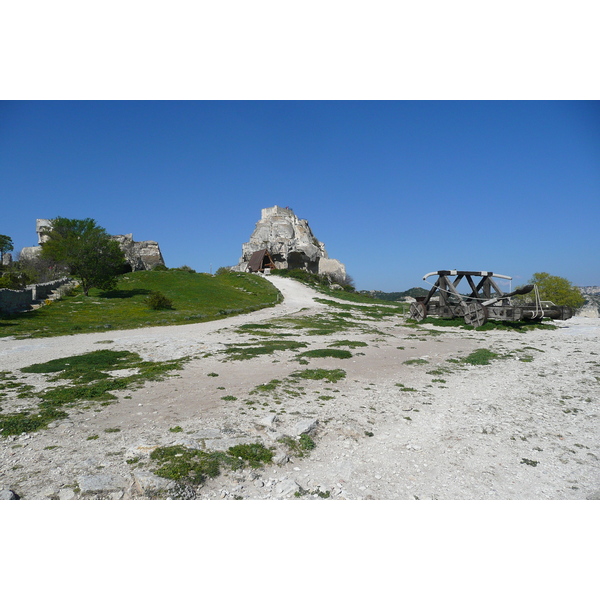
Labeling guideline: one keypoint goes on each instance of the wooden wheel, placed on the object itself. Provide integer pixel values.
(475, 314)
(457, 311)
(418, 311)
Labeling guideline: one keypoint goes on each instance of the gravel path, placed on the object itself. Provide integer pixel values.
(406, 422)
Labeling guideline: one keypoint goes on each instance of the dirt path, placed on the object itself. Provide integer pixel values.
(405, 422)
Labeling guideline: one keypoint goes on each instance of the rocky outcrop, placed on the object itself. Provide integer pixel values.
(141, 256)
(291, 244)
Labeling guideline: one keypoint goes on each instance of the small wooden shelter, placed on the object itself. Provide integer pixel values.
(260, 261)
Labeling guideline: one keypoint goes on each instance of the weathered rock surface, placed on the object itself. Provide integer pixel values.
(101, 482)
(8, 495)
(142, 256)
(291, 244)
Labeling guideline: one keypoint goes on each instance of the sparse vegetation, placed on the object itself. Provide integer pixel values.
(248, 351)
(300, 446)
(348, 343)
(483, 356)
(192, 466)
(331, 375)
(90, 381)
(326, 353)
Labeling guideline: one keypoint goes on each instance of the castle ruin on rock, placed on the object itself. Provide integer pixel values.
(289, 244)
(141, 256)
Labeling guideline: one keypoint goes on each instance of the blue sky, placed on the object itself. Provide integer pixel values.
(395, 189)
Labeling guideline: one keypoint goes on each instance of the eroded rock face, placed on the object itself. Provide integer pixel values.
(291, 244)
(142, 256)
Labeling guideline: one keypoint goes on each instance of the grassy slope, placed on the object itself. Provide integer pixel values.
(196, 297)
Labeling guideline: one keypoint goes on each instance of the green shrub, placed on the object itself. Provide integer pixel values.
(326, 352)
(158, 301)
(255, 454)
(159, 268)
(185, 268)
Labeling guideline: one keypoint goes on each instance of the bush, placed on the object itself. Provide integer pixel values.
(185, 268)
(159, 268)
(158, 301)
(15, 280)
(558, 290)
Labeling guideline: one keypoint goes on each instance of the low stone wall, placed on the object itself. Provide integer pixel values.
(12, 301)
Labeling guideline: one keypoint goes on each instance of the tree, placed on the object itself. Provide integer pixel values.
(86, 250)
(6, 245)
(556, 289)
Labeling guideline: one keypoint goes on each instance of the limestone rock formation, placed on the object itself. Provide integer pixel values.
(291, 245)
(141, 256)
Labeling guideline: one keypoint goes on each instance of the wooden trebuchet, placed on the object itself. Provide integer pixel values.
(485, 300)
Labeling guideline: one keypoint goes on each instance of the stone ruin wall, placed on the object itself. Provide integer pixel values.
(12, 301)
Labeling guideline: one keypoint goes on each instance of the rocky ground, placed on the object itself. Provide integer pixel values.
(408, 420)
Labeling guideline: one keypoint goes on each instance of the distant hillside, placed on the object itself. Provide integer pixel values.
(396, 296)
(590, 289)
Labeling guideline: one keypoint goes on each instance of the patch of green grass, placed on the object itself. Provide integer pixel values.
(228, 398)
(322, 324)
(194, 466)
(416, 361)
(375, 311)
(405, 388)
(254, 454)
(90, 380)
(326, 353)
(112, 430)
(176, 429)
(483, 356)
(248, 351)
(197, 296)
(263, 388)
(181, 463)
(300, 446)
(348, 344)
(331, 375)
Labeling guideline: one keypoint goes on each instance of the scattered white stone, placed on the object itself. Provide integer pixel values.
(8, 495)
(305, 426)
(285, 487)
(101, 482)
(145, 481)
